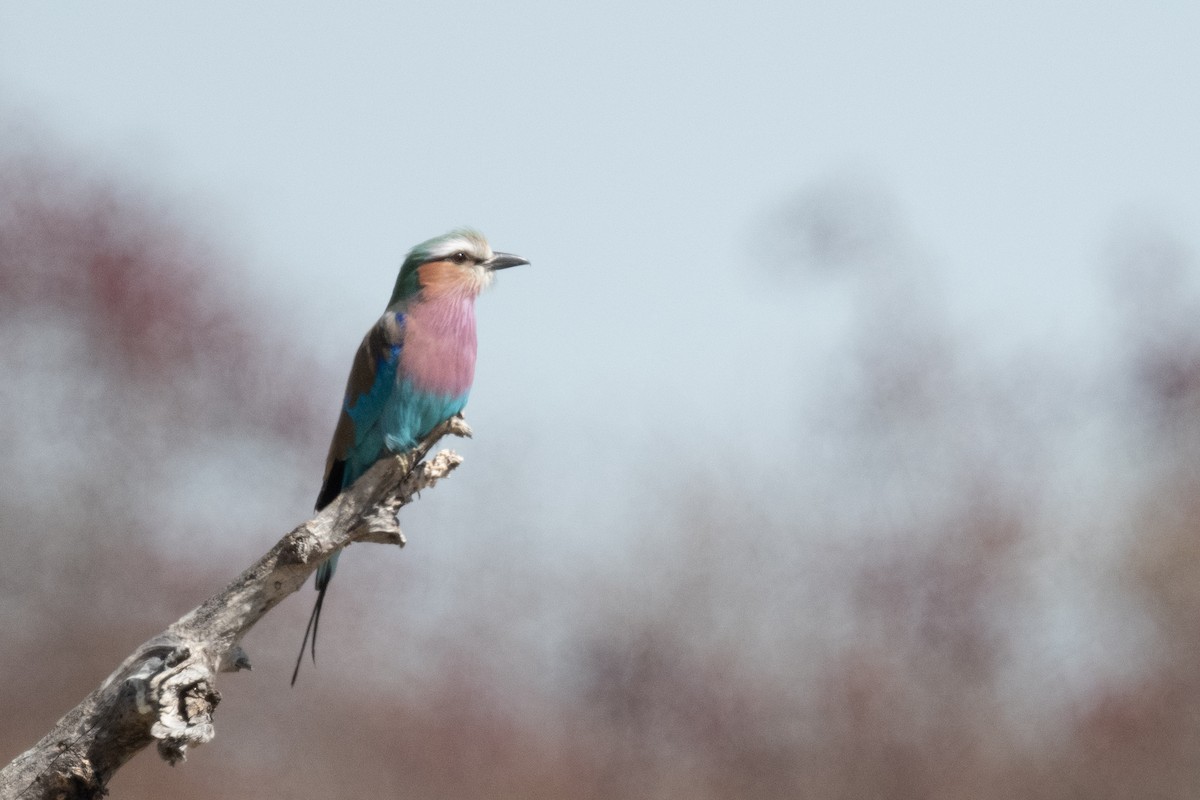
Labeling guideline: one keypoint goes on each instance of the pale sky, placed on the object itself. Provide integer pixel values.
(633, 151)
(638, 153)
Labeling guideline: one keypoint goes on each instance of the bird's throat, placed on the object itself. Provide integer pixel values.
(439, 344)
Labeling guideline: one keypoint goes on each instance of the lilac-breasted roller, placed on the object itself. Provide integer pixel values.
(412, 371)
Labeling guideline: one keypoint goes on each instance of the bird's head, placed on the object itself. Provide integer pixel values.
(460, 261)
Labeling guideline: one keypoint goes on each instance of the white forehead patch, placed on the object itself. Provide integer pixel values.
(469, 242)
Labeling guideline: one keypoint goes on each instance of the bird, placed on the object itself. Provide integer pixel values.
(413, 370)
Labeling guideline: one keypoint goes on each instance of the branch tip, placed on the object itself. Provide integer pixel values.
(458, 426)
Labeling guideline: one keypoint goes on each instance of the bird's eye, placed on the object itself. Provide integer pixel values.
(459, 258)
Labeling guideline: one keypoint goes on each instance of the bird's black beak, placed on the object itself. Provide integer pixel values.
(503, 261)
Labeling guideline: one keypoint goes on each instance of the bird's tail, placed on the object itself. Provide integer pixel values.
(324, 575)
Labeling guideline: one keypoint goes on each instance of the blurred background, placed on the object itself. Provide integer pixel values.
(843, 439)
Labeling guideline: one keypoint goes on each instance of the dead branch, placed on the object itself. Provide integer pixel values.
(165, 692)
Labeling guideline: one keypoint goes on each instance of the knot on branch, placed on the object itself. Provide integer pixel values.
(76, 779)
(178, 691)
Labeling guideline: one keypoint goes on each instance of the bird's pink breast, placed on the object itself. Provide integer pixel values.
(439, 344)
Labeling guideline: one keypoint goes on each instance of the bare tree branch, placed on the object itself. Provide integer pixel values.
(165, 692)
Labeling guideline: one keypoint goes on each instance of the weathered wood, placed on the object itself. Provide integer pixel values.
(165, 692)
